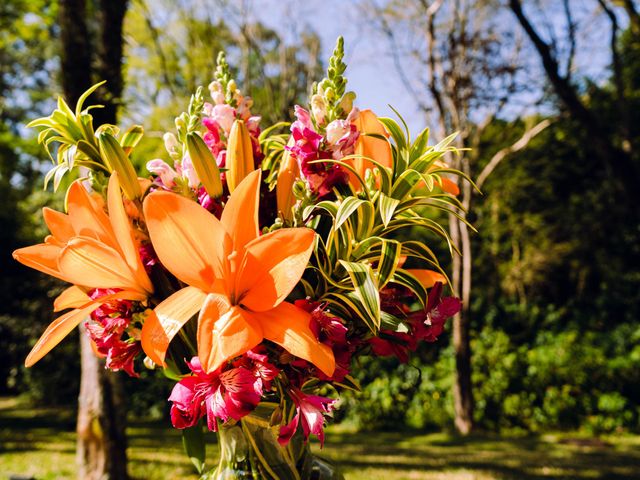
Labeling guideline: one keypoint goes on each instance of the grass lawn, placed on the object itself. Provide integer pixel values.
(41, 442)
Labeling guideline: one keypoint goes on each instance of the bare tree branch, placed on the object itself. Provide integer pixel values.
(571, 30)
(395, 54)
(155, 37)
(617, 75)
(516, 147)
(622, 166)
(634, 17)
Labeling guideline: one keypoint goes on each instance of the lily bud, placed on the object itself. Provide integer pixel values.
(239, 155)
(204, 165)
(113, 155)
(287, 175)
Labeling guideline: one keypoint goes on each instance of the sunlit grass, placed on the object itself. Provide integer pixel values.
(41, 443)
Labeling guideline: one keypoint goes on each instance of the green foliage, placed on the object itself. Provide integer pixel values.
(359, 251)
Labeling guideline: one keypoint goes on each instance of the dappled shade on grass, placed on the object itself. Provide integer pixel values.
(41, 442)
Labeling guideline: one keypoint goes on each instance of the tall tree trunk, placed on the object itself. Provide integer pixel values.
(461, 279)
(101, 448)
(101, 445)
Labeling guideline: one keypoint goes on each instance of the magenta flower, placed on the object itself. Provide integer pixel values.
(212, 136)
(397, 344)
(437, 312)
(311, 410)
(330, 331)
(232, 393)
(121, 356)
(148, 256)
(188, 404)
(107, 329)
(308, 147)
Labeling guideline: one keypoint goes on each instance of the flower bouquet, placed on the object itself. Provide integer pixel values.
(252, 266)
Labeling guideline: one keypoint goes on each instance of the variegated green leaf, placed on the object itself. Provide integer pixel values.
(405, 183)
(404, 278)
(85, 95)
(387, 207)
(346, 209)
(388, 261)
(396, 132)
(365, 221)
(365, 290)
(420, 144)
(349, 383)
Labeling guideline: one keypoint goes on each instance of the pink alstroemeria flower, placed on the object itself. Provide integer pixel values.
(437, 312)
(426, 325)
(391, 343)
(232, 393)
(108, 324)
(330, 331)
(311, 409)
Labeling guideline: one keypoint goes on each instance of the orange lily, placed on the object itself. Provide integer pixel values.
(237, 279)
(428, 278)
(370, 147)
(90, 249)
(448, 186)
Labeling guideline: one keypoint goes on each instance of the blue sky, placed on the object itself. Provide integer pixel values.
(370, 71)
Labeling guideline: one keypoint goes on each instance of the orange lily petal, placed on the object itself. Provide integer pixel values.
(87, 218)
(59, 224)
(224, 333)
(288, 326)
(63, 325)
(189, 241)
(167, 319)
(72, 297)
(272, 266)
(123, 232)
(240, 214)
(42, 257)
(90, 263)
(449, 186)
(371, 147)
(427, 278)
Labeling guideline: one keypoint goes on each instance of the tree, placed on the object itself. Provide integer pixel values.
(457, 70)
(612, 146)
(101, 449)
(173, 51)
(27, 41)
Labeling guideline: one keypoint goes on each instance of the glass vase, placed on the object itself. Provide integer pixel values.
(249, 450)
